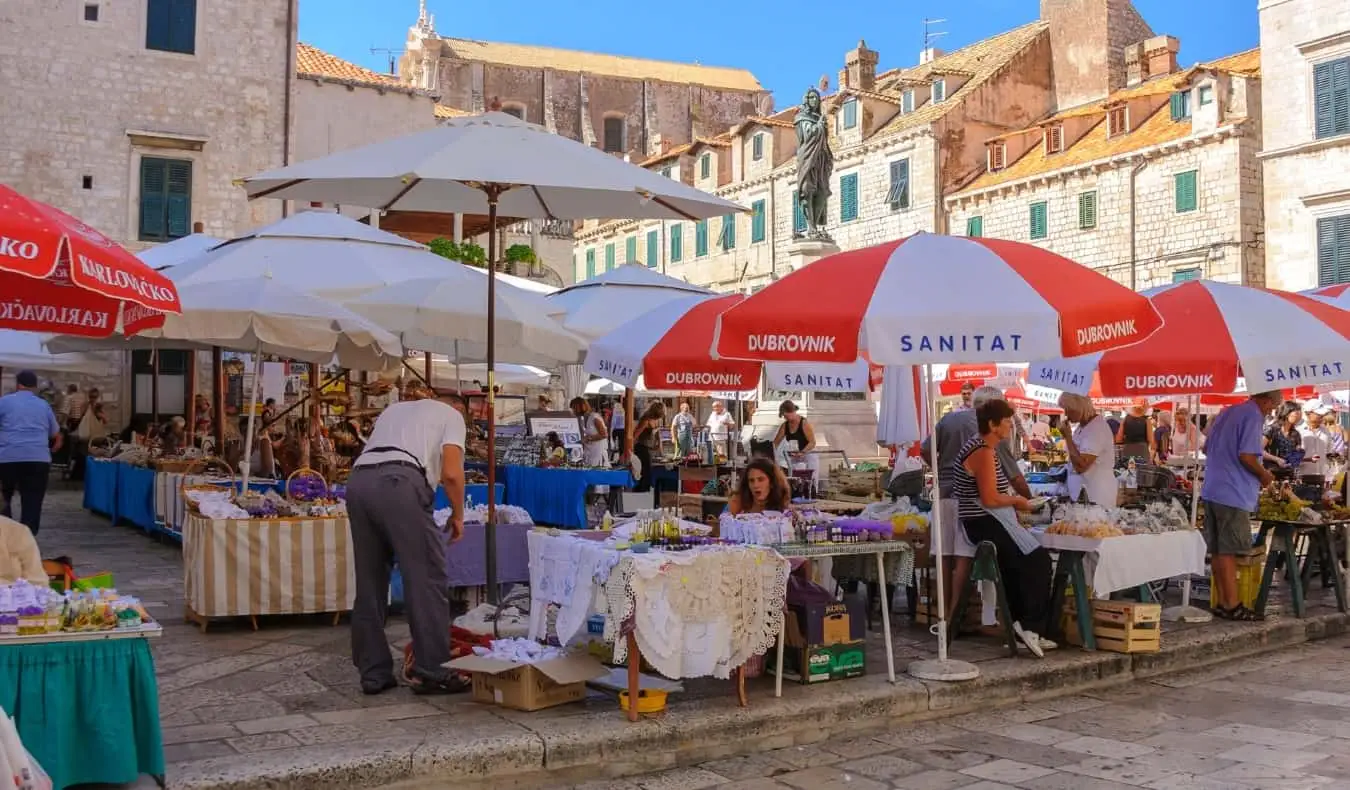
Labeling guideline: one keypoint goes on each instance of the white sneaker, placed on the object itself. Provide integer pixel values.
(1030, 640)
(1047, 644)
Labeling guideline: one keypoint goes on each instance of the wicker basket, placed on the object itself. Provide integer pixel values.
(180, 466)
(306, 471)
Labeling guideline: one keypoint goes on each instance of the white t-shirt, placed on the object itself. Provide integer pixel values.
(1100, 479)
(420, 428)
(719, 425)
(1316, 443)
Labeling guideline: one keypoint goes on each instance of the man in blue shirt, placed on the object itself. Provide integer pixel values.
(1234, 477)
(28, 434)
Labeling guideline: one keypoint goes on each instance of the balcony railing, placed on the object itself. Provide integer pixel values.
(553, 228)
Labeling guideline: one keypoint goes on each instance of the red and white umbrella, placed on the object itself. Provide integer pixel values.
(59, 275)
(668, 347)
(930, 299)
(1214, 334)
(1338, 295)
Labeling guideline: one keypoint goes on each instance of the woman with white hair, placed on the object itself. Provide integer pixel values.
(1092, 451)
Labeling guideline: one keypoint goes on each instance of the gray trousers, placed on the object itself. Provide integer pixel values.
(389, 508)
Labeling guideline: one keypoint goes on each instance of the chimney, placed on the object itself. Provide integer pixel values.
(929, 54)
(1161, 52)
(860, 68)
(843, 79)
(1088, 44)
(1136, 65)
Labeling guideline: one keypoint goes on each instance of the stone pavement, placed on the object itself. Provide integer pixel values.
(281, 707)
(1273, 723)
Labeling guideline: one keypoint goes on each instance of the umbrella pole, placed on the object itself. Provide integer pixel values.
(426, 369)
(252, 409)
(941, 668)
(1185, 613)
(493, 192)
(459, 379)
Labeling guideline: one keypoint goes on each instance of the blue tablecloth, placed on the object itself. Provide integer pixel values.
(136, 496)
(100, 486)
(475, 491)
(557, 497)
(88, 711)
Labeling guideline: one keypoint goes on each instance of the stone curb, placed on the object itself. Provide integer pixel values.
(555, 749)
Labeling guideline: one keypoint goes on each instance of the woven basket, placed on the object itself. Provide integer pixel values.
(306, 471)
(183, 466)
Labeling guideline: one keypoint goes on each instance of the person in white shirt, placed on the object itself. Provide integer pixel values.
(1185, 437)
(1092, 451)
(414, 446)
(594, 437)
(1317, 441)
(720, 423)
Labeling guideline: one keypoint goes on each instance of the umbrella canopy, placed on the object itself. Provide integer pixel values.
(322, 253)
(163, 256)
(1338, 295)
(527, 375)
(542, 175)
(448, 315)
(24, 351)
(57, 274)
(1214, 334)
(931, 298)
(600, 305)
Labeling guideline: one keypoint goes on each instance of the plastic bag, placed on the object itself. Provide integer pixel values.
(26, 773)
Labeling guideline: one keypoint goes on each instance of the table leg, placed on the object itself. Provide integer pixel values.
(886, 615)
(1338, 578)
(778, 673)
(634, 681)
(741, 697)
(1081, 601)
(1286, 536)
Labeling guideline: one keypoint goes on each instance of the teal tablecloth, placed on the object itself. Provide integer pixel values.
(100, 486)
(88, 711)
(557, 497)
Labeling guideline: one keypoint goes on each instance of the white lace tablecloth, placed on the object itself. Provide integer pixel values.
(1112, 564)
(693, 613)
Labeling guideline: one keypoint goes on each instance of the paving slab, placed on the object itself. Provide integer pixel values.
(281, 707)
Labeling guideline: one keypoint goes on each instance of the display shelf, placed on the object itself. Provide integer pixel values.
(145, 631)
(840, 549)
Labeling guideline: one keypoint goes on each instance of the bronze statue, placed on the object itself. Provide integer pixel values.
(815, 165)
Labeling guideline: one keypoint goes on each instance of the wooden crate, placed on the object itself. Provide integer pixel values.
(1119, 626)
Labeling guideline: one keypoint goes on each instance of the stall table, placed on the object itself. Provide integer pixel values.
(557, 497)
(1285, 537)
(831, 506)
(100, 486)
(86, 705)
(253, 567)
(475, 492)
(171, 508)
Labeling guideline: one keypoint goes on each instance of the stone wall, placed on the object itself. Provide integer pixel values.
(74, 90)
(1089, 39)
(1219, 238)
(1304, 178)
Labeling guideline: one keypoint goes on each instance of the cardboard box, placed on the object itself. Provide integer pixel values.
(831, 623)
(825, 663)
(530, 686)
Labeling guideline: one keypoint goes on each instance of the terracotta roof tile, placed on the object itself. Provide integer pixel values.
(446, 111)
(981, 60)
(537, 57)
(1245, 63)
(673, 153)
(310, 61)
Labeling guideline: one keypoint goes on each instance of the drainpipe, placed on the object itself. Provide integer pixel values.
(1134, 219)
(770, 236)
(289, 84)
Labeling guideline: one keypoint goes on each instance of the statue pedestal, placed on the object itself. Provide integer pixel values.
(802, 252)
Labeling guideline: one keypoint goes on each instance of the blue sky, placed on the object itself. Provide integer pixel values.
(740, 34)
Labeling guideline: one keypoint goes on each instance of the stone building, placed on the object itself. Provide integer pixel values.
(1305, 57)
(136, 117)
(613, 102)
(1158, 183)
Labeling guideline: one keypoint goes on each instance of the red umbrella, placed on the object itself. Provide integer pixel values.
(59, 275)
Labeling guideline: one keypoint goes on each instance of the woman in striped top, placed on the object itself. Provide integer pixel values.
(986, 508)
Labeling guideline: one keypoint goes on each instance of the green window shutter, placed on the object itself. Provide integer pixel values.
(1333, 250)
(630, 250)
(179, 198)
(154, 200)
(850, 113)
(1181, 105)
(907, 101)
(701, 238)
(1087, 211)
(1331, 98)
(1039, 226)
(1185, 191)
(705, 166)
(757, 147)
(757, 222)
(974, 227)
(1186, 275)
(171, 26)
(798, 213)
(653, 249)
(590, 263)
(157, 24)
(939, 91)
(727, 240)
(676, 243)
(898, 196)
(848, 197)
(609, 256)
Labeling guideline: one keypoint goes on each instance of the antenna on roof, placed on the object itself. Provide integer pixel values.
(393, 57)
(929, 36)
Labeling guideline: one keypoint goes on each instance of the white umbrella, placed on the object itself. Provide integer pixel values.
(448, 315)
(598, 306)
(494, 164)
(526, 375)
(163, 256)
(25, 351)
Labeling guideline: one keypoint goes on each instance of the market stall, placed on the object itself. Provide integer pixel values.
(557, 496)
(77, 675)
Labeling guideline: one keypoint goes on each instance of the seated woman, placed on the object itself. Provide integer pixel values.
(762, 487)
(555, 453)
(174, 439)
(986, 507)
(19, 556)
